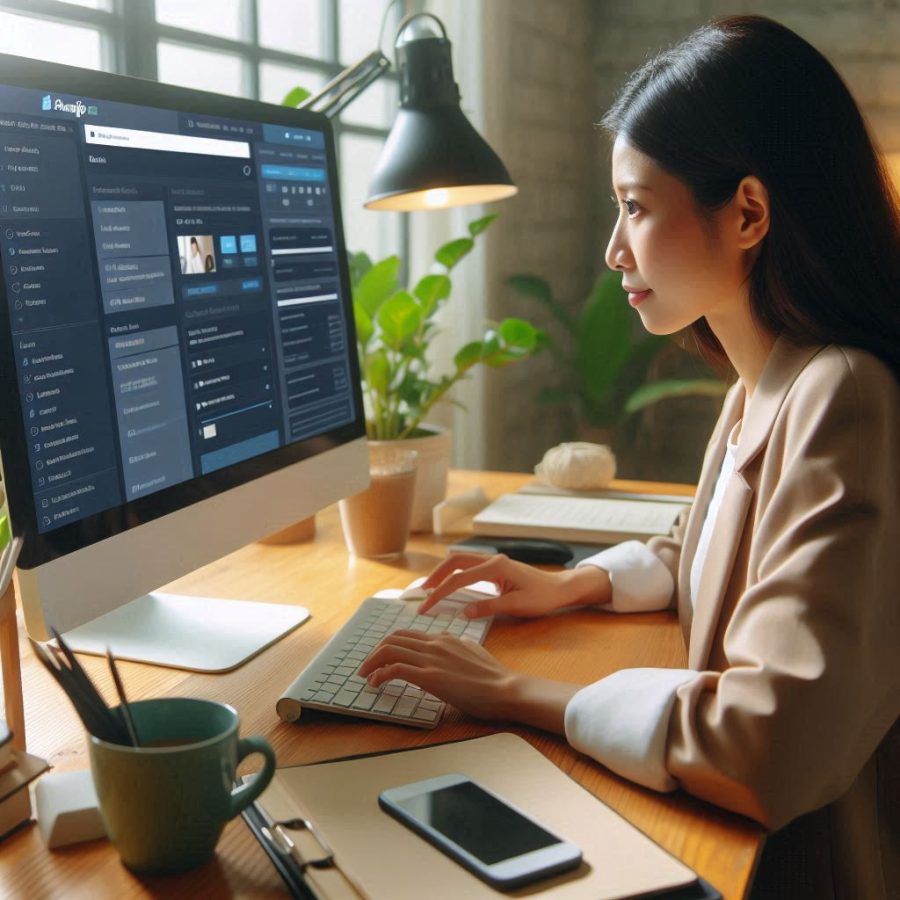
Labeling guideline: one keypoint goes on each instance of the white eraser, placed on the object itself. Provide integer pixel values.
(67, 809)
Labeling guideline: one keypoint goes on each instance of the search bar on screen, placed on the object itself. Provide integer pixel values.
(135, 139)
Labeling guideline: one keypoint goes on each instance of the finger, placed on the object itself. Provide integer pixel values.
(450, 564)
(423, 678)
(479, 609)
(489, 568)
(385, 654)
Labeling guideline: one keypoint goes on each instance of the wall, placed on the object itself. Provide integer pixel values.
(541, 107)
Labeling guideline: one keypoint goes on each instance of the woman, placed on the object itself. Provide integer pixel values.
(753, 209)
(195, 259)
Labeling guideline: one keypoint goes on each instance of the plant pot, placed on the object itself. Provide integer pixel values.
(434, 451)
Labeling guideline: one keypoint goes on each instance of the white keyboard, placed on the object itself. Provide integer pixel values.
(330, 682)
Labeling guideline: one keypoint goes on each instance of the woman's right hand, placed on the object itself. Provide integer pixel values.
(524, 590)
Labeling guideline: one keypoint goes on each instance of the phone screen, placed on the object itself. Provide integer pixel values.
(478, 822)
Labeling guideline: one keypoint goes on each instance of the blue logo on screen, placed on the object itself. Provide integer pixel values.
(47, 102)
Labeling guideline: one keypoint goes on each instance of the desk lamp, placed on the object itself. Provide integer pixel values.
(433, 157)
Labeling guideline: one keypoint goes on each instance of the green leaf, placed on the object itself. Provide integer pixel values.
(480, 225)
(648, 394)
(378, 372)
(604, 339)
(399, 317)
(519, 333)
(364, 327)
(295, 96)
(450, 254)
(359, 264)
(431, 290)
(378, 283)
(468, 356)
(531, 286)
(555, 396)
(536, 288)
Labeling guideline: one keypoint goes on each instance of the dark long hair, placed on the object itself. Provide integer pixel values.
(746, 96)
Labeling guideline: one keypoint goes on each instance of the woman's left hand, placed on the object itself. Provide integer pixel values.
(457, 670)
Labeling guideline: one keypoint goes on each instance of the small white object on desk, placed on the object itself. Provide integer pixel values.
(67, 809)
(454, 515)
(578, 466)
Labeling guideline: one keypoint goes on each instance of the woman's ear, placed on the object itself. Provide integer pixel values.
(751, 203)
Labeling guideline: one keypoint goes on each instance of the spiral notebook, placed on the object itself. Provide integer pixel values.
(349, 848)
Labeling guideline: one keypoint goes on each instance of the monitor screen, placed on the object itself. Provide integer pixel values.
(176, 319)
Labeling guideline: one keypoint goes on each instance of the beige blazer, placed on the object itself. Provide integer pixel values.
(796, 626)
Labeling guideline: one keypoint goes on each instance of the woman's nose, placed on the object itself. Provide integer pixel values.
(618, 256)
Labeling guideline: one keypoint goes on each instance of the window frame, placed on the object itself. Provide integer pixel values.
(130, 35)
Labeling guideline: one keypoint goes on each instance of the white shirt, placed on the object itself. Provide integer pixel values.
(622, 720)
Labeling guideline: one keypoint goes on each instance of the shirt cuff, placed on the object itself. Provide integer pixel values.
(640, 580)
(622, 722)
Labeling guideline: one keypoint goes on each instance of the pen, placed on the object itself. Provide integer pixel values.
(120, 690)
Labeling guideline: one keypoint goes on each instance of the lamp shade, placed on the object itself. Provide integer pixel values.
(433, 156)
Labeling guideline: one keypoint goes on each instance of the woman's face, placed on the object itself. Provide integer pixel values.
(674, 264)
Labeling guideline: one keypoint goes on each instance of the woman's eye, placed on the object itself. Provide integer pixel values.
(631, 206)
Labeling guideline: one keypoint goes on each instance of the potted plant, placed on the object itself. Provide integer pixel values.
(395, 326)
(605, 371)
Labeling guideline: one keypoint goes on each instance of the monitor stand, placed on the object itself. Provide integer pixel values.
(200, 634)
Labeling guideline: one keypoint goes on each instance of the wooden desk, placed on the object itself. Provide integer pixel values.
(579, 647)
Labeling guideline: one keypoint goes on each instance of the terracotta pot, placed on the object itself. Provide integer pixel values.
(434, 451)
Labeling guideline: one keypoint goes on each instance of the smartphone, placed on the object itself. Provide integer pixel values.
(491, 838)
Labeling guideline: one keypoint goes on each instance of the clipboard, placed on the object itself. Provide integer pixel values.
(374, 857)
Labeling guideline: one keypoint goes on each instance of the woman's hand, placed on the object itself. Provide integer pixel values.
(459, 671)
(465, 675)
(524, 590)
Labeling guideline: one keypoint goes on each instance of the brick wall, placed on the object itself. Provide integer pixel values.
(544, 106)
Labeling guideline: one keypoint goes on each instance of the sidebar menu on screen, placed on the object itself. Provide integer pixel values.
(54, 317)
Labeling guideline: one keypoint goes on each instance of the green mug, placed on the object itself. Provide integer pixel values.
(165, 803)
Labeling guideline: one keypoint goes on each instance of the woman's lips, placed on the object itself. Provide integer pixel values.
(635, 298)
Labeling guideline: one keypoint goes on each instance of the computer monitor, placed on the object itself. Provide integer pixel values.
(177, 351)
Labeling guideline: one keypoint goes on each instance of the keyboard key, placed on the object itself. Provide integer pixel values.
(405, 706)
(365, 700)
(336, 679)
(429, 704)
(344, 698)
(384, 704)
(345, 670)
(426, 714)
(323, 697)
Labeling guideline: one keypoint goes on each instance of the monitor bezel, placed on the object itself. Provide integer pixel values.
(39, 548)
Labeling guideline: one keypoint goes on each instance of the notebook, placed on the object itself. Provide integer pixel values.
(580, 519)
(376, 857)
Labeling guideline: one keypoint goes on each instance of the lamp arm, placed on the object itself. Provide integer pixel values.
(344, 88)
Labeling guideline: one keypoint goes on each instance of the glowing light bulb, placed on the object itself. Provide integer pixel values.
(436, 197)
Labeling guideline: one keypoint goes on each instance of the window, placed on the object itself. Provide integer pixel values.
(259, 49)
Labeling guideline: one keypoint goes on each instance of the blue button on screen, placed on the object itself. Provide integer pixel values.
(248, 243)
(228, 243)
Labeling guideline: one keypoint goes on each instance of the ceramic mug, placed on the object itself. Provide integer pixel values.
(165, 803)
